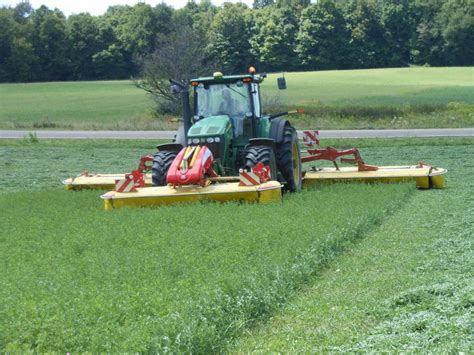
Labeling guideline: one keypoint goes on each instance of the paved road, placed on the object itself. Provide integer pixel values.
(372, 133)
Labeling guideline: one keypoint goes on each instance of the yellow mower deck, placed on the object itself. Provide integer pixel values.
(426, 177)
(97, 181)
(223, 189)
(164, 195)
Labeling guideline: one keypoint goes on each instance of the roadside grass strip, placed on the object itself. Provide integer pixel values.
(181, 278)
(407, 286)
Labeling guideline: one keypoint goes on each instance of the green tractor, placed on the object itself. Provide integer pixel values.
(229, 150)
(229, 120)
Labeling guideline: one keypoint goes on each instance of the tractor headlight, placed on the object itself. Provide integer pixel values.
(217, 140)
(210, 140)
(195, 140)
(190, 141)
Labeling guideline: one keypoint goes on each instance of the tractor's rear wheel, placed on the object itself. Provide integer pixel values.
(161, 163)
(261, 154)
(288, 157)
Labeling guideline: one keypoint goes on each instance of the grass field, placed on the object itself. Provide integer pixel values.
(392, 261)
(408, 286)
(72, 105)
(382, 98)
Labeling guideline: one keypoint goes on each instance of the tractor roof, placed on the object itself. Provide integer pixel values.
(256, 78)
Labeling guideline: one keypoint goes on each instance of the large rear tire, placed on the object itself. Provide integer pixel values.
(161, 163)
(288, 159)
(261, 154)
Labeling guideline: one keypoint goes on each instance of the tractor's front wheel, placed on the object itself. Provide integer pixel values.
(289, 160)
(161, 163)
(261, 154)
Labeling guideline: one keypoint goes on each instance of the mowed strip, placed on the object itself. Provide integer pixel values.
(407, 286)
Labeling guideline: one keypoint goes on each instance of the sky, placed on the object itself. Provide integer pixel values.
(98, 7)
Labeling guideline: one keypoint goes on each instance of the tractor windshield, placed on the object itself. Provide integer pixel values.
(224, 99)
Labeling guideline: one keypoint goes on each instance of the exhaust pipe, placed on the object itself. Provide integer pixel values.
(178, 87)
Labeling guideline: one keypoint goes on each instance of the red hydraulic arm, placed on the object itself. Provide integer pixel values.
(145, 164)
(332, 154)
(311, 139)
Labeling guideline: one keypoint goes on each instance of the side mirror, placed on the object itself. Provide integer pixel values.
(175, 89)
(281, 83)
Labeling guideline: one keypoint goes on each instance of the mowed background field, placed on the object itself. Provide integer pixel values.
(380, 98)
(343, 267)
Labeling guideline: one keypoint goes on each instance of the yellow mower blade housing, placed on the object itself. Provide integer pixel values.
(97, 181)
(426, 177)
(165, 195)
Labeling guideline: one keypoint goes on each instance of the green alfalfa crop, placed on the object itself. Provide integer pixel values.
(180, 278)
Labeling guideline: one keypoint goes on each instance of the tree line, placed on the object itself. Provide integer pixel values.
(44, 45)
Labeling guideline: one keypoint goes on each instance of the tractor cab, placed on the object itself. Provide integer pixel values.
(236, 96)
(227, 112)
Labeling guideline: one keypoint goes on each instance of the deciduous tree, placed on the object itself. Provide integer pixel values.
(274, 38)
(367, 35)
(323, 38)
(50, 43)
(180, 57)
(456, 21)
(229, 37)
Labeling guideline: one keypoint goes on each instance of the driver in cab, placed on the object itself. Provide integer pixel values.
(232, 108)
(228, 106)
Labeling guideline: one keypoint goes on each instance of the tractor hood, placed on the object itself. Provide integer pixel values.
(211, 126)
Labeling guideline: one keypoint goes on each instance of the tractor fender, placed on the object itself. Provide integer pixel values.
(173, 147)
(269, 142)
(277, 128)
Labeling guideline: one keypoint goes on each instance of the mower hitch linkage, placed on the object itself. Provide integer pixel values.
(311, 140)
